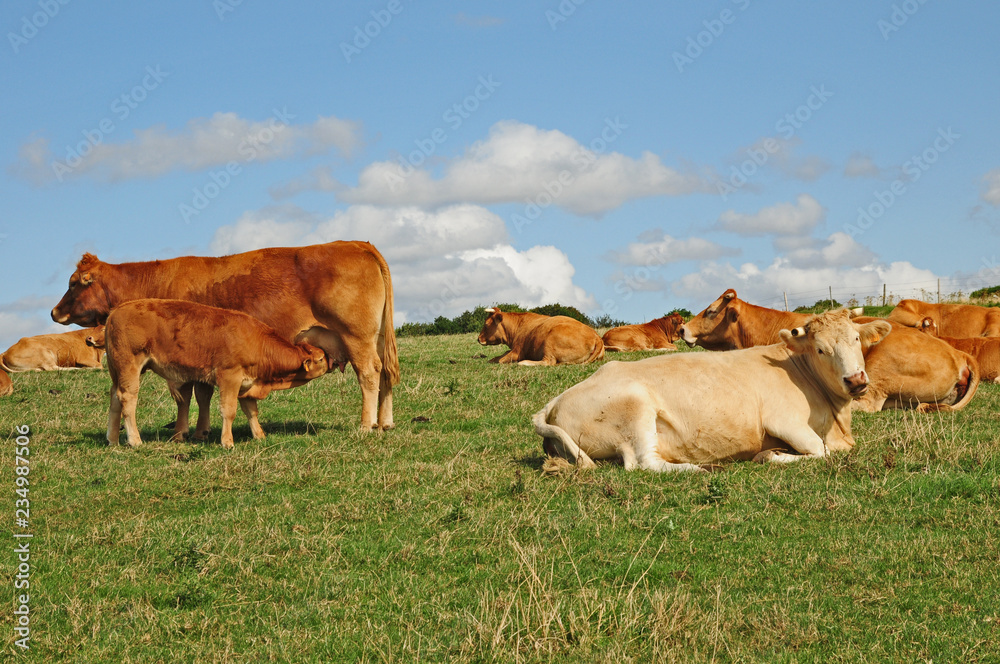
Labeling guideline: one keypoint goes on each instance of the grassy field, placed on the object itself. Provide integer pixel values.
(442, 540)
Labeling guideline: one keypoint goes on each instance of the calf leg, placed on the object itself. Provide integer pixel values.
(385, 404)
(182, 397)
(249, 407)
(114, 416)
(203, 395)
(228, 399)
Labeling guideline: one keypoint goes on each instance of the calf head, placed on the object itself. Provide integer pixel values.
(715, 327)
(831, 344)
(928, 326)
(96, 339)
(85, 303)
(314, 363)
(493, 332)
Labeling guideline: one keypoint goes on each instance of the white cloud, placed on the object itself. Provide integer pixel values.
(204, 143)
(838, 250)
(657, 248)
(519, 162)
(796, 218)
(991, 188)
(860, 165)
(443, 262)
(14, 324)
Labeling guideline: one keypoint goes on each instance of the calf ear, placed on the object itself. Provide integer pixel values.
(873, 332)
(307, 364)
(797, 340)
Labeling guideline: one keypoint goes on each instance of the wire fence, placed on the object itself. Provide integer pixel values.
(954, 289)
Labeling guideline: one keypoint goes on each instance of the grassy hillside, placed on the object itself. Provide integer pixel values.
(442, 541)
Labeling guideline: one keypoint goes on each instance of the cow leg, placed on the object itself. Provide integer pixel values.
(203, 395)
(507, 358)
(182, 397)
(249, 407)
(385, 404)
(368, 367)
(800, 437)
(645, 452)
(872, 402)
(547, 361)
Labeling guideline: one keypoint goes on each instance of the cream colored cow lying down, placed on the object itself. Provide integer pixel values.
(769, 403)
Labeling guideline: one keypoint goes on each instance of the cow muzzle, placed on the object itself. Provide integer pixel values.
(857, 384)
(59, 317)
(688, 338)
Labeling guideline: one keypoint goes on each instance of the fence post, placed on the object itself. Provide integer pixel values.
(939, 291)
(831, 296)
(883, 295)
(786, 299)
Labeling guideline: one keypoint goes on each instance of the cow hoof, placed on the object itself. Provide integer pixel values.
(711, 467)
(765, 456)
(387, 427)
(178, 438)
(227, 446)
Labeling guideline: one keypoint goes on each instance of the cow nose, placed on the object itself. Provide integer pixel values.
(857, 384)
(58, 317)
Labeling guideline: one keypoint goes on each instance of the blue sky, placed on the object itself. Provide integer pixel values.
(622, 158)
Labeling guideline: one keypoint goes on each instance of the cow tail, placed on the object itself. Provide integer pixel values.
(598, 352)
(6, 385)
(565, 446)
(965, 393)
(387, 339)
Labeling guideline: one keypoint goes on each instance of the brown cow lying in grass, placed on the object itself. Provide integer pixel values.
(986, 350)
(535, 339)
(48, 352)
(185, 342)
(658, 334)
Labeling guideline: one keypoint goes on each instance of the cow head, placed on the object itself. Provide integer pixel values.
(831, 344)
(928, 326)
(85, 303)
(493, 333)
(671, 325)
(96, 339)
(713, 328)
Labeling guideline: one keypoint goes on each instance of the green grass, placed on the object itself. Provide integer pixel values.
(442, 541)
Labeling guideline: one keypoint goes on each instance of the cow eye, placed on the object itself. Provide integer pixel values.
(819, 350)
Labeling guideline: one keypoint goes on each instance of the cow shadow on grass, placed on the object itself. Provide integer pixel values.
(241, 434)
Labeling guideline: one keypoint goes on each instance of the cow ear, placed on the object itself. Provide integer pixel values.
(873, 332)
(732, 314)
(797, 340)
(86, 279)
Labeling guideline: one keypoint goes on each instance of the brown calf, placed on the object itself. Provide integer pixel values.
(186, 342)
(658, 334)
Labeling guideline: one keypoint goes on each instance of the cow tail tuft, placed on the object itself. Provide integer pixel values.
(390, 352)
(564, 446)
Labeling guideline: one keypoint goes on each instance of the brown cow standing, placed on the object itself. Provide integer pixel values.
(535, 339)
(658, 334)
(986, 350)
(907, 370)
(959, 321)
(336, 296)
(181, 394)
(186, 342)
(48, 352)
